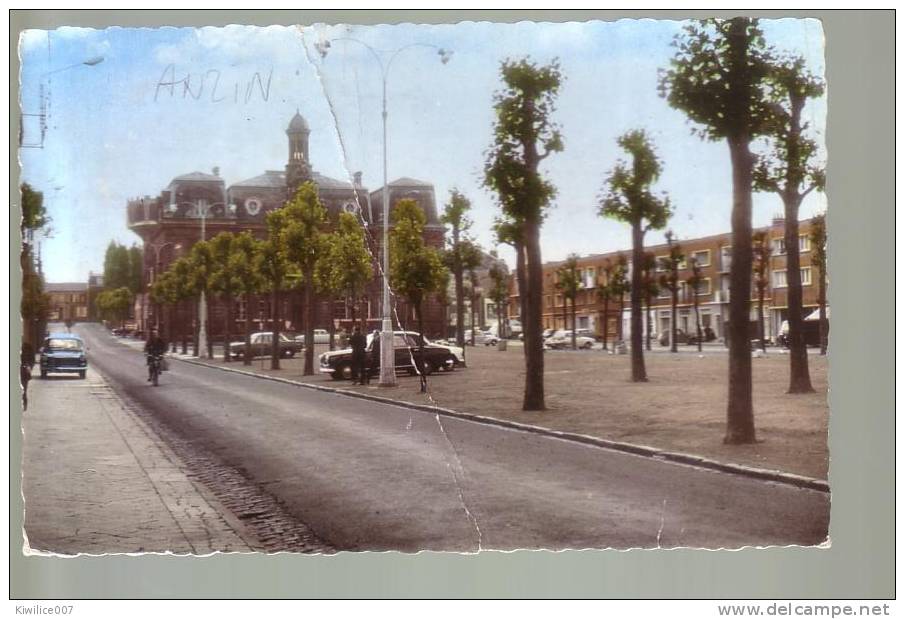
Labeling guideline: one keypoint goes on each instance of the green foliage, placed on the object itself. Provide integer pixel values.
(272, 265)
(718, 78)
(223, 278)
(416, 270)
(670, 264)
(461, 253)
(696, 278)
(649, 283)
(791, 165)
(628, 197)
(347, 265)
(818, 242)
(523, 126)
(203, 266)
(243, 262)
(568, 279)
(300, 228)
(34, 215)
(618, 282)
(114, 304)
(183, 282)
(35, 304)
(500, 279)
(117, 267)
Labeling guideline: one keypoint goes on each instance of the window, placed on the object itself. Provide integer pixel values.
(590, 275)
(704, 287)
(660, 263)
(779, 279)
(806, 276)
(779, 246)
(549, 301)
(702, 257)
(804, 245)
(683, 264)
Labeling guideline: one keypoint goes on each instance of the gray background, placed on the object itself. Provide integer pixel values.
(860, 141)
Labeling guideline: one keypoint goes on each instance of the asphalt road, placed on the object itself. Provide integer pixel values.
(370, 476)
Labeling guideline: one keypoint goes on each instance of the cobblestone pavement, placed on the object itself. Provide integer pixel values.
(97, 480)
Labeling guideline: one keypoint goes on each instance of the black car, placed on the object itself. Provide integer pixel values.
(407, 344)
(63, 353)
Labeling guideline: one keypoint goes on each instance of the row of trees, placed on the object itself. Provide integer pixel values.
(304, 251)
(733, 87)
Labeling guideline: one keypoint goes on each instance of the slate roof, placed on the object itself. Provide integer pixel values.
(406, 181)
(298, 124)
(197, 176)
(271, 179)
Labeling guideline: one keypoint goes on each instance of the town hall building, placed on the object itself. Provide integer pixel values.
(199, 205)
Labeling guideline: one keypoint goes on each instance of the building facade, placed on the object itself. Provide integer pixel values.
(68, 301)
(714, 255)
(198, 206)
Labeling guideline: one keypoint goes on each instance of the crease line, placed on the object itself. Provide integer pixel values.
(471, 517)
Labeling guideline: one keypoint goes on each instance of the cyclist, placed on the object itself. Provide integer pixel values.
(154, 347)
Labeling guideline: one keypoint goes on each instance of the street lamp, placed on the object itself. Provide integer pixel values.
(43, 113)
(387, 353)
(202, 208)
(157, 247)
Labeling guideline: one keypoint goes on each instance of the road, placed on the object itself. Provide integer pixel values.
(369, 476)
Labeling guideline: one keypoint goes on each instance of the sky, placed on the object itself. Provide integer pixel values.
(120, 128)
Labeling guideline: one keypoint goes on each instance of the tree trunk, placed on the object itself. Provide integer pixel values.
(673, 328)
(534, 345)
(460, 306)
(196, 327)
(649, 325)
(207, 319)
(799, 375)
(248, 355)
(421, 373)
(186, 325)
(739, 408)
(574, 334)
(521, 276)
(309, 323)
(606, 320)
(226, 328)
(697, 319)
(275, 332)
(639, 372)
(760, 318)
(823, 323)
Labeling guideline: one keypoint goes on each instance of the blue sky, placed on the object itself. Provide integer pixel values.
(114, 134)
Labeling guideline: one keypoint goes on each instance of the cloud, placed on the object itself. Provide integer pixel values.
(232, 44)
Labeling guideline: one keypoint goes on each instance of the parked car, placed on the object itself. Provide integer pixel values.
(261, 346)
(681, 337)
(321, 336)
(484, 337)
(338, 363)
(562, 339)
(63, 353)
(515, 329)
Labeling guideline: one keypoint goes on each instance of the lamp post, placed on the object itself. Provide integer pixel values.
(43, 113)
(387, 352)
(157, 247)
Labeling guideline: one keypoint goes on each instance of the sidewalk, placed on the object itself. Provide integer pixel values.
(97, 480)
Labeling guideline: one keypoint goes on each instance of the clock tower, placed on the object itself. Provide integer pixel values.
(298, 169)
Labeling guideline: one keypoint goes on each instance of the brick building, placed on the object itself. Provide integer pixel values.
(200, 205)
(68, 301)
(713, 254)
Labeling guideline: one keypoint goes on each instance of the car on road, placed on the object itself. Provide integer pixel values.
(681, 337)
(321, 336)
(562, 340)
(261, 346)
(407, 345)
(63, 353)
(486, 338)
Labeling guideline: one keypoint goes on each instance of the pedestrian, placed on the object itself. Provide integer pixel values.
(26, 361)
(359, 357)
(375, 355)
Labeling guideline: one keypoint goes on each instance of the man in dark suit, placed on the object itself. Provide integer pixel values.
(359, 359)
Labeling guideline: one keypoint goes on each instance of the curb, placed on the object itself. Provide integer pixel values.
(800, 481)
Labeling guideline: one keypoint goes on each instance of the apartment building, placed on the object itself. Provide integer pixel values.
(714, 255)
